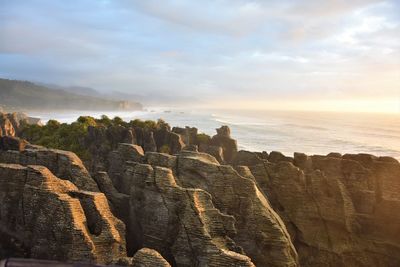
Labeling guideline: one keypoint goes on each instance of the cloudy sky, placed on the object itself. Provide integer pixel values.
(261, 54)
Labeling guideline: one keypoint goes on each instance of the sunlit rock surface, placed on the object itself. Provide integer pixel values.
(64, 164)
(45, 217)
(340, 211)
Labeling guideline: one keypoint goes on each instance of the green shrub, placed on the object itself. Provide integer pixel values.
(72, 136)
(61, 136)
(104, 120)
(203, 138)
(53, 124)
(87, 121)
(117, 121)
(147, 124)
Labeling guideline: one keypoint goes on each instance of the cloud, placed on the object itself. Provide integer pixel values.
(217, 49)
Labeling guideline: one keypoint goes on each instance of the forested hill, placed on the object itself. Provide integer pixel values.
(23, 95)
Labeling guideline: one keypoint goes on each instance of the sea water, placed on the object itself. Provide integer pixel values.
(284, 131)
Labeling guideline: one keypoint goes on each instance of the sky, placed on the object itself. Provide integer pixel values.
(304, 54)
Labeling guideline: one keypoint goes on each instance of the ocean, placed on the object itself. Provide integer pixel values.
(285, 131)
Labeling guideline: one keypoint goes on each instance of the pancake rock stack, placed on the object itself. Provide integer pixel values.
(137, 206)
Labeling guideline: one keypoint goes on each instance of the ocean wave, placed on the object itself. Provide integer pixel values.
(225, 121)
(310, 127)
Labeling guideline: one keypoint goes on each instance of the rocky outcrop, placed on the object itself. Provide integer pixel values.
(45, 217)
(216, 151)
(276, 156)
(119, 202)
(256, 227)
(101, 140)
(265, 209)
(246, 158)
(6, 126)
(260, 231)
(182, 224)
(145, 257)
(167, 141)
(64, 164)
(118, 160)
(10, 123)
(188, 134)
(152, 180)
(148, 258)
(340, 211)
(145, 139)
(12, 143)
(223, 139)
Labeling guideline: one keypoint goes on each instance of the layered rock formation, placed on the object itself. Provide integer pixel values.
(102, 140)
(221, 146)
(45, 217)
(180, 223)
(340, 211)
(10, 123)
(64, 164)
(148, 258)
(6, 126)
(242, 215)
(188, 209)
(261, 232)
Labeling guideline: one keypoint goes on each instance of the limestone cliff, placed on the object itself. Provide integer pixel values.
(157, 199)
(10, 123)
(186, 208)
(64, 164)
(45, 217)
(340, 211)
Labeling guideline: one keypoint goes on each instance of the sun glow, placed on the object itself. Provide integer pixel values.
(389, 105)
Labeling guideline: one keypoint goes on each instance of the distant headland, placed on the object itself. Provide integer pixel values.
(23, 95)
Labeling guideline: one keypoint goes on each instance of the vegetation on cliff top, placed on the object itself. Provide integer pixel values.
(71, 137)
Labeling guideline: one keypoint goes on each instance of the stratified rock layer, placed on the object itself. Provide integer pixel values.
(182, 224)
(260, 231)
(148, 258)
(254, 224)
(229, 146)
(49, 218)
(6, 126)
(340, 211)
(10, 123)
(267, 208)
(64, 164)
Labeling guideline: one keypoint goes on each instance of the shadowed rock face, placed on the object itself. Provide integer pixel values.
(101, 140)
(12, 143)
(48, 218)
(261, 232)
(223, 139)
(180, 223)
(340, 211)
(156, 200)
(164, 137)
(188, 134)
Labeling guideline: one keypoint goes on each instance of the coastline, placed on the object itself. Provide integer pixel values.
(287, 132)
